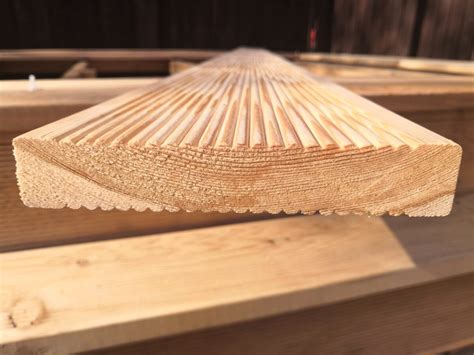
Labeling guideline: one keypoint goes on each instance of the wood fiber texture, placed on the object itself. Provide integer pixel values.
(245, 131)
(73, 298)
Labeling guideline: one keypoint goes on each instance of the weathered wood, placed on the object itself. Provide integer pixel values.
(80, 69)
(246, 131)
(458, 67)
(94, 295)
(430, 319)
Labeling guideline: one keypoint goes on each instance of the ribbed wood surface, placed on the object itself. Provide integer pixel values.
(247, 99)
(244, 131)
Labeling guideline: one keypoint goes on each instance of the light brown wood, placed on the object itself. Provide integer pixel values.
(425, 320)
(358, 71)
(80, 69)
(22, 227)
(22, 110)
(177, 66)
(457, 67)
(247, 131)
(441, 106)
(94, 295)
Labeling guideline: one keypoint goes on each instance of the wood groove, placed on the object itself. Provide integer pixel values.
(245, 131)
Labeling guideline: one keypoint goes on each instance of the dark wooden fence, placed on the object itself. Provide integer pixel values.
(428, 28)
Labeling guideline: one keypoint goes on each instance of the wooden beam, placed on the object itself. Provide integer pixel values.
(80, 69)
(357, 71)
(245, 131)
(56, 61)
(95, 295)
(435, 318)
(457, 67)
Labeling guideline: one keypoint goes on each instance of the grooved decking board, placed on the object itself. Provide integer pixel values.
(246, 131)
(443, 107)
(94, 295)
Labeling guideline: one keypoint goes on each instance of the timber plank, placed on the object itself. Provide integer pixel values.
(103, 294)
(198, 140)
(443, 106)
(435, 318)
(456, 67)
(22, 110)
(37, 61)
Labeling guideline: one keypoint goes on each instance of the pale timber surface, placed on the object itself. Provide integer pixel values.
(244, 131)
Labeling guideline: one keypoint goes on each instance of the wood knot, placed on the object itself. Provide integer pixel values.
(82, 262)
(26, 313)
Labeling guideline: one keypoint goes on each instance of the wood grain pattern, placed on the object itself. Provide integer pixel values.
(435, 318)
(108, 293)
(246, 131)
(22, 227)
(22, 110)
(443, 106)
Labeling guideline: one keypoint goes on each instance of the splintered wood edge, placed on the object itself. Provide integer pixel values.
(253, 133)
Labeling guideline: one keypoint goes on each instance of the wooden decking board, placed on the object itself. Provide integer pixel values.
(246, 131)
(95, 295)
(445, 107)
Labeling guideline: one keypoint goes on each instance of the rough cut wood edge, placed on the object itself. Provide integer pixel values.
(246, 131)
(24, 228)
(95, 295)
